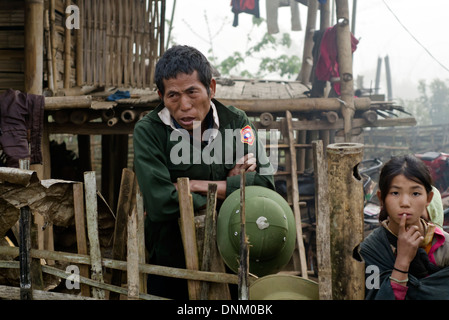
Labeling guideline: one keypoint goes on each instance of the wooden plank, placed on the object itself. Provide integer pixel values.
(295, 196)
(323, 250)
(120, 231)
(141, 235)
(132, 270)
(211, 260)
(188, 234)
(92, 228)
(218, 277)
(80, 227)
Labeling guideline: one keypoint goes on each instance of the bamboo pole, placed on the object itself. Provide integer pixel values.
(57, 103)
(307, 57)
(346, 219)
(344, 58)
(79, 48)
(50, 74)
(67, 51)
(53, 43)
(304, 105)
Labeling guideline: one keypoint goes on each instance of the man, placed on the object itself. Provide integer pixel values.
(192, 135)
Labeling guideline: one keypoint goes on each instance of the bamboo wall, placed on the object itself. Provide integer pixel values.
(121, 41)
(12, 62)
(117, 44)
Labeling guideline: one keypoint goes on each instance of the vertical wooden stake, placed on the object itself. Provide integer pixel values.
(124, 208)
(295, 196)
(141, 235)
(80, 226)
(26, 288)
(243, 291)
(132, 268)
(92, 230)
(346, 219)
(208, 235)
(188, 234)
(323, 223)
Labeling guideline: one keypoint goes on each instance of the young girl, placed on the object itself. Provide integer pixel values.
(410, 253)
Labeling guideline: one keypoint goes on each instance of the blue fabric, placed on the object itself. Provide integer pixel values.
(119, 95)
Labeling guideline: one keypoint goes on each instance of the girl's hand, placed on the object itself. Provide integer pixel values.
(409, 240)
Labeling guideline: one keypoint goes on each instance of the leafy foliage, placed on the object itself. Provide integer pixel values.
(282, 65)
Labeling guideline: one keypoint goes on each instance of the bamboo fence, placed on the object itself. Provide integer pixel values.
(121, 41)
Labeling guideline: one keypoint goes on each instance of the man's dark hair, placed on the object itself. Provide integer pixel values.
(182, 59)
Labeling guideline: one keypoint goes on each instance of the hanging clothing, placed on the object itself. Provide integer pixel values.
(327, 64)
(246, 6)
(272, 15)
(21, 125)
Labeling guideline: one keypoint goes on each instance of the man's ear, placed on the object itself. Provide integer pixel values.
(212, 87)
(160, 94)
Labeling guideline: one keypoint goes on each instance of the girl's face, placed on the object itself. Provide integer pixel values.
(408, 197)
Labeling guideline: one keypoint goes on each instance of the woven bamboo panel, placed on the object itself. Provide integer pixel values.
(121, 41)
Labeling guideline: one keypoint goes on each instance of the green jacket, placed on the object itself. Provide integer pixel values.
(157, 163)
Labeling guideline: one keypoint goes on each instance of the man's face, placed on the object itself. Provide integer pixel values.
(187, 99)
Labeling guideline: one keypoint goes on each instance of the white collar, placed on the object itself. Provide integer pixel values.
(209, 134)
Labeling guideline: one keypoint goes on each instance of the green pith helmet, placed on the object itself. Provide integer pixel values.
(270, 228)
(283, 287)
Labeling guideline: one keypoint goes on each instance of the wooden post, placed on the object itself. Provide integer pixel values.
(208, 235)
(211, 259)
(323, 249)
(124, 203)
(80, 226)
(67, 50)
(295, 196)
(34, 42)
(26, 287)
(188, 234)
(243, 271)
(92, 229)
(141, 235)
(132, 269)
(307, 57)
(345, 66)
(346, 219)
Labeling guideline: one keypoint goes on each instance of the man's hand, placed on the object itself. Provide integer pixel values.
(247, 162)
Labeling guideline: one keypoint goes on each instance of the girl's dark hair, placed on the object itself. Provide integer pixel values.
(182, 59)
(411, 167)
